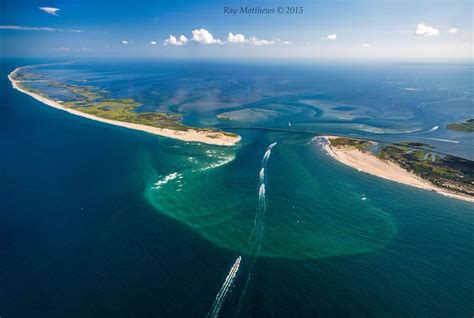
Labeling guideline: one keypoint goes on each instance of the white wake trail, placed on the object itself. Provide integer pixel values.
(261, 191)
(216, 307)
(255, 238)
(435, 128)
(261, 197)
(438, 139)
(254, 242)
(268, 153)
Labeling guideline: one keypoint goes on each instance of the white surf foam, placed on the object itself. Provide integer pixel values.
(172, 176)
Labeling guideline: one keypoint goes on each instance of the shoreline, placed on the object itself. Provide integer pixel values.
(190, 135)
(370, 164)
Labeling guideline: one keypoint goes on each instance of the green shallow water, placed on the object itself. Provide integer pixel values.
(313, 208)
(78, 231)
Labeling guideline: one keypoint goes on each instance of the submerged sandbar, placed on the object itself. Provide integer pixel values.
(120, 112)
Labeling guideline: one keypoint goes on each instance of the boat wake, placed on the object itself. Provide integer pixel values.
(257, 230)
(253, 243)
(438, 139)
(261, 174)
(219, 301)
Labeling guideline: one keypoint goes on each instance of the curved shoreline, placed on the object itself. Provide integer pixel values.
(190, 135)
(369, 163)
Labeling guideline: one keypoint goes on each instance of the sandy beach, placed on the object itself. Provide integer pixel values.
(369, 163)
(190, 135)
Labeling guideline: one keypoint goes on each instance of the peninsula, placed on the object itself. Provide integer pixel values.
(407, 163)
(91, 103)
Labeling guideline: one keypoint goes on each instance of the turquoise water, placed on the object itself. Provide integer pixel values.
(312, 211)
(123, 223)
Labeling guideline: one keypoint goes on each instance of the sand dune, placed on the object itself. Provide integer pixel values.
(369, 163)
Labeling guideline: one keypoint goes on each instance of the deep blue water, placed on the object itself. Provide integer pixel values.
(84, 235)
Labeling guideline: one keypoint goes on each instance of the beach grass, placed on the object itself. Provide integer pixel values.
(467, 126)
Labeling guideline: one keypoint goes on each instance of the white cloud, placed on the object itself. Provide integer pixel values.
(50, 10)
(253, 40)
(240, 38)
(236, 38)
(125, 42)
(28, 28)
(183, 39)
(426, 30)
(172, 40)
(153, 43)
(365, 45)
(330, 37)
(205, 37)
(453, 30)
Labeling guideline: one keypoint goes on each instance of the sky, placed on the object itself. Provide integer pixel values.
(368, 29)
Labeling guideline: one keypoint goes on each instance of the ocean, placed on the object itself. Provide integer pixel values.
(99, 220)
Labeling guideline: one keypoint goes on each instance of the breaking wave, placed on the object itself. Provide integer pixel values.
(164, 180)
(221, 159)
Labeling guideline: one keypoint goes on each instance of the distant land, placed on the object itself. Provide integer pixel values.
(467, 126)
(92, 103)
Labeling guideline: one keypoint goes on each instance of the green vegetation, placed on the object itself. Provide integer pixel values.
(350, 142)
(94, 101)
(84, 94)
(122, 109)
(445, 171)
(26, 76)
(413, 144)
(467, 126)
(91, 100)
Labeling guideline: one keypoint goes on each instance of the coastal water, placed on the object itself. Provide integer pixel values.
(101, 221)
